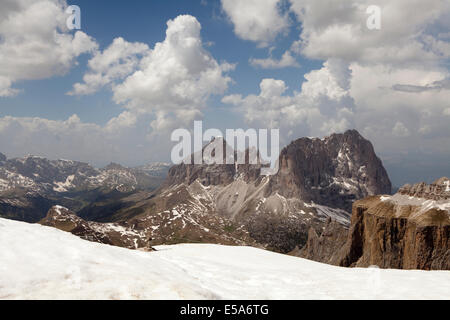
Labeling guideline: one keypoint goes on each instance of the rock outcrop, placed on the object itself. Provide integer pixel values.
(106, 233)
(409, 230)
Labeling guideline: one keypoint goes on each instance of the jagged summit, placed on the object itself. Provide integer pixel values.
(442, 181)
(438, 190)
(332, 171)
(349, 133)
(3, 157)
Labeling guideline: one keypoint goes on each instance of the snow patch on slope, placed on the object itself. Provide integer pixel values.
(70, 268)
(64, 186)
(424, 204)
(339, 215)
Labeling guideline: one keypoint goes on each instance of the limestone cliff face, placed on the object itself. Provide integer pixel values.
(326, 247)
(410, 230)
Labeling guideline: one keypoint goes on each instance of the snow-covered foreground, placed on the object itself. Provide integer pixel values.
(38, 262)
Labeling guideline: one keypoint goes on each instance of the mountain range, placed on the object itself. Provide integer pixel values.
(227, 204)
(330, 201)
(31, 185)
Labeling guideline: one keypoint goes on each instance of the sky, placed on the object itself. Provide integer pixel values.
(115, 90)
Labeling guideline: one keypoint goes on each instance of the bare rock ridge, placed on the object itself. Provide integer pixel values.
(212, 174)
(106, 233)
(318, 179)
(409, 230)
(333, 171)
(439, 190)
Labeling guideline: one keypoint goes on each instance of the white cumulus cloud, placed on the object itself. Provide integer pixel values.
(35, 43)
(339, 29)
(287, 60)
(321, 106)
(159, 88)
(116, 62)
(176, 78)
(256, 20)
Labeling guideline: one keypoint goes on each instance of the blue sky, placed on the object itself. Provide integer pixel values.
(309, 68)
(145, 21)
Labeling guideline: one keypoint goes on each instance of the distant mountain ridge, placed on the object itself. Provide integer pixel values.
(42, 175)
(29, 186)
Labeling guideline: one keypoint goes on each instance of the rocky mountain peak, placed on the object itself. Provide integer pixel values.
(156, 168)
(444, 181)
(334, 171)
(2, 157)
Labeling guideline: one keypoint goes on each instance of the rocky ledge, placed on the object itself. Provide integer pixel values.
(409, 230)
